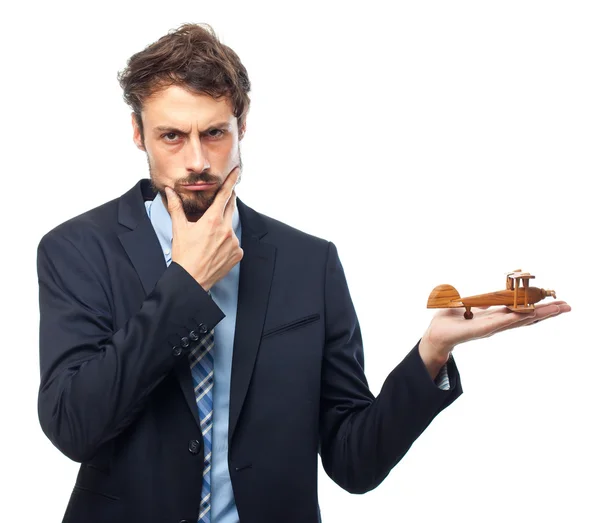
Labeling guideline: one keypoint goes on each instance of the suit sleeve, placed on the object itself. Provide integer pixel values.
(362, 437)
(94, 380)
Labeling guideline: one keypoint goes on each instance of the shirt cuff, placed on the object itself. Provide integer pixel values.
(442, 380)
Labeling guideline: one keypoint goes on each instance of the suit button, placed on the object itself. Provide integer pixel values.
(184, 521)
(202, 328)
(185, 342)
(194, 336)
(176, 351)
(194, 446)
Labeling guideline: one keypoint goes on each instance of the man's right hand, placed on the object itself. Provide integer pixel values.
(208, 249)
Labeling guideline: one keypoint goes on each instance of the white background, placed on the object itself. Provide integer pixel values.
(433, 142)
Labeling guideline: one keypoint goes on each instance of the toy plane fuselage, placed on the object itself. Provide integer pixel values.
(517, 299)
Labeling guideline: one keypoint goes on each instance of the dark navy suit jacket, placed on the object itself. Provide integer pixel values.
(116, 393)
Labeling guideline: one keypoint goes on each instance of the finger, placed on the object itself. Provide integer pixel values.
(541, 314)
(493, 322)
(175, 208)
(549, 304)
(225, 191)
(561, 308)
(229, 208)
(551, 309)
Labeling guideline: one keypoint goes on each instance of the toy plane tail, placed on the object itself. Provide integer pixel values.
(444, 296)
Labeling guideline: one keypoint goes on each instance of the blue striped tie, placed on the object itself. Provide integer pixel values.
(201, 364)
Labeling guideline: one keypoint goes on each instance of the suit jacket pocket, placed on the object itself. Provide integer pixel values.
(300, 322)
(94, 493)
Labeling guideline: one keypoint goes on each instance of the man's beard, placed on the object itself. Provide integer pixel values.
(195, 203)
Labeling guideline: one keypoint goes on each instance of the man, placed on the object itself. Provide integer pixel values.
(197, 356)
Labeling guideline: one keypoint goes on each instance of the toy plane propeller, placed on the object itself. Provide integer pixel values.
(515, 297)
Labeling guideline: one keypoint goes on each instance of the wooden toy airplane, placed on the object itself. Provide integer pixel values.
(517, 299)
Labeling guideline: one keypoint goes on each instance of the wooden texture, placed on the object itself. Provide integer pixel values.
(515, 297)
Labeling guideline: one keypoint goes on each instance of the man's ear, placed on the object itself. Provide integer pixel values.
(137, 134)
(242, 131)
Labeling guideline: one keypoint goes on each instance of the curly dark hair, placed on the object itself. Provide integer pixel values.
(190, 56)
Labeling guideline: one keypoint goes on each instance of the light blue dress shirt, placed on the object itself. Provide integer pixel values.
(225, 295)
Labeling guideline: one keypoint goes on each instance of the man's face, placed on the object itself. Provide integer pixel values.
(192, 144)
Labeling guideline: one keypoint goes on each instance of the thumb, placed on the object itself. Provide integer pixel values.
(175, 207)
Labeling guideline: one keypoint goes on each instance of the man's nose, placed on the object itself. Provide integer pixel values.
(195, 156)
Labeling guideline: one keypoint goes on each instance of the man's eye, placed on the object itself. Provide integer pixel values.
(215, 133)
(170, 137)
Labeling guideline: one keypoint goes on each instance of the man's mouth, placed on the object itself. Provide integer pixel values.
(200, 186)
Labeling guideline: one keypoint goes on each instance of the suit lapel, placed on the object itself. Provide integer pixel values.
(140, 241)
(256, 275)
(143, 248)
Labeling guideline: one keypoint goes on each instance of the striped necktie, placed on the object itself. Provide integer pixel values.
(201, 364)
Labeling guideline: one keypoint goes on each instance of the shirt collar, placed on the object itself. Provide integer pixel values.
(161, 220)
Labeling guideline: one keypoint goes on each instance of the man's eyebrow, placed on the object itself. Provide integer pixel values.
(170, 128)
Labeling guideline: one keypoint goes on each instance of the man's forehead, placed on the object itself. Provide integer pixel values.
(179, 107)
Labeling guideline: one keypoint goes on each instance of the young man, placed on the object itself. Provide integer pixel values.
(197, 356)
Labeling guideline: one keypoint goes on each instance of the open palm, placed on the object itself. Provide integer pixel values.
(449, 328)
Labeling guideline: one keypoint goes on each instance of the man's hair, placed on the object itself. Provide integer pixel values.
(191, 57)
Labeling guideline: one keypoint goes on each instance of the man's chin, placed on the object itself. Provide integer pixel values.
(196, 208)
